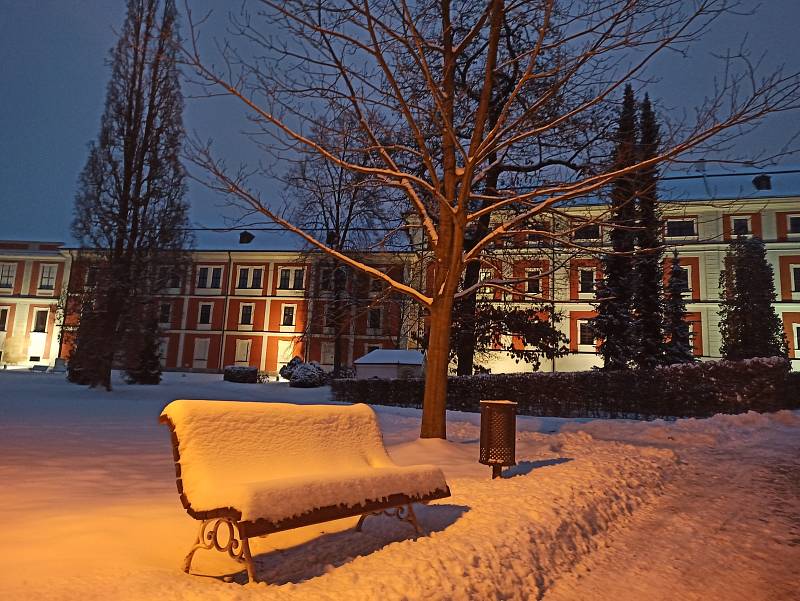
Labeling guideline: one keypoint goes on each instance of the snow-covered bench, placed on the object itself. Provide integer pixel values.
(251, 469)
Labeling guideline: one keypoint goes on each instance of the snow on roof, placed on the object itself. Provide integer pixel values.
(392, 357)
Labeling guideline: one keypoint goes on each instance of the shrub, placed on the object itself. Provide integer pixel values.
(286, 371)
(240, 373)
(308, 375)
(683, 390)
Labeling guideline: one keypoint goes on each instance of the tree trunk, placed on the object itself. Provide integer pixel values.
(437, 360)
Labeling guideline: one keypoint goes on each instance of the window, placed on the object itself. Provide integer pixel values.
(288, 315)
(215, 275)
(3, 318)
(375, 285)
(7, 273)
(40, 320)
(682, 277)
(326, 352)
(299, 279)
(740, 226)
(249, 277)
(374, 318)
(91, 277)
(285, 276)
(204, 316)
(794, 224)
(795, 279)
(680, 228)
(797, 337)
(534, 239)
(174, 279)
(242, 351)
(326, 279)
(164, 312)
(586, 281)
(47, 277)
(246, 314)
(587, 232)
(586, 336)
(533, 283)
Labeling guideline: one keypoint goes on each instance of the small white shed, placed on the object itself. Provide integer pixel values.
(386, 363)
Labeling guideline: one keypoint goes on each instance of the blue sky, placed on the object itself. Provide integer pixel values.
(53, 75)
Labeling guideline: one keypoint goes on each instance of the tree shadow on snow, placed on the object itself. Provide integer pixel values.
(526, 467)
(328, 551)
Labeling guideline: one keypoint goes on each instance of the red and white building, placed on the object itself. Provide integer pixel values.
(32, 279)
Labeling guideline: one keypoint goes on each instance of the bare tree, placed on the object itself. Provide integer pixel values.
(399, 63)
(129, 209)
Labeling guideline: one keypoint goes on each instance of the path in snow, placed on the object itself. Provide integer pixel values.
(727, 529)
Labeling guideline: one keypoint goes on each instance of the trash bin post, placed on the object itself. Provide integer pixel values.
(498, 434)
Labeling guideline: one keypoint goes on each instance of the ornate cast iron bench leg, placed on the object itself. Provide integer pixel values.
(236, 546)
(402, 512)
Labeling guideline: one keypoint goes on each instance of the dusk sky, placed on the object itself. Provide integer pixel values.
(52, 86)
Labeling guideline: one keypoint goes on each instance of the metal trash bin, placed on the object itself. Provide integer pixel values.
(498, 434)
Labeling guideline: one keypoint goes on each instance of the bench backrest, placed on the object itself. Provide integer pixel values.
(228, 442)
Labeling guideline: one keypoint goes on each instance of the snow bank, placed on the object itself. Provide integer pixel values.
(278, 460)
(713, 431)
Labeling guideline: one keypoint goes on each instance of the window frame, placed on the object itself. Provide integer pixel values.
(789, 218)
(35, 320)
(4, 320)
(530, 280)
(583, 293)
(11, 274)
(201, 325)
(692, 220)
(579, 328)
(302, 272)
(249, 279)
(576, 237)
(213, 273)
(247, 344)
(747, 219)
(247, 326)
(375, 311)
(796, 331)
(52, 275)
(288, 327)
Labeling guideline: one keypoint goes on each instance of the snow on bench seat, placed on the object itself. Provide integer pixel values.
(267, 467)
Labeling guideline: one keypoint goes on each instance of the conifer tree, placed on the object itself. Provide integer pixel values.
(749, 325)
(130, 210)
(146, 365)
(678, 347)
(647, 295)
(614, 293)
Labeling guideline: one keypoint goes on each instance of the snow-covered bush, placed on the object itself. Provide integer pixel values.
(287, 370)
(308, 375)
(688, 390)
(243, 374)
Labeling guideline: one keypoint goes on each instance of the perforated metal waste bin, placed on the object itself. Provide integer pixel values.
(498, 434)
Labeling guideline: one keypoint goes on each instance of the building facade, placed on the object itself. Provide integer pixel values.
(261, 308)
(32, 279)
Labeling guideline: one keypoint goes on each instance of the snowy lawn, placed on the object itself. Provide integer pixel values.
(593, 510)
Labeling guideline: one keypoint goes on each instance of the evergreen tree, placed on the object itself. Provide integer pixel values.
(614, 294)
(678, 347)
(647, 295)
(129, 209)
(146, 365)
(749, 325)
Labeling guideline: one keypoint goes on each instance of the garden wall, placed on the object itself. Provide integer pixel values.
(690, 390)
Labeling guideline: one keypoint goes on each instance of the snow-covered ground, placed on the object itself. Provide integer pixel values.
(696, 509)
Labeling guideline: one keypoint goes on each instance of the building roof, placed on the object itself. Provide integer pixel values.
(391, 357)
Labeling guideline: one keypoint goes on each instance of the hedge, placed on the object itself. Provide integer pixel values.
(688, 390)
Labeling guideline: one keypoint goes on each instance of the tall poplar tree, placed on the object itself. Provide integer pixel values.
(647, 294)
(749, 325)
(130, 210)
(614, 293)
